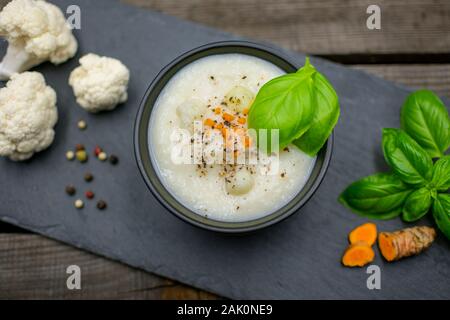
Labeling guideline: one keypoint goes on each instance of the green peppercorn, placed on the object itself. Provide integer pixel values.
(81, 155)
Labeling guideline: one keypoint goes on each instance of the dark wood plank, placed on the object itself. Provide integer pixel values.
(34, 267)
(435, 77)
(324, 27)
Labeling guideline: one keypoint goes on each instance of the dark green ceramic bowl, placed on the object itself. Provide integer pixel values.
(147, 168)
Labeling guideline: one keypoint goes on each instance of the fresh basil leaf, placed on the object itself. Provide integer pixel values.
(441, 174)
(425, 118)
(325, 117)
(379, 196)
(407, 159)
(417, 205)
(441, 213)
(285, 103)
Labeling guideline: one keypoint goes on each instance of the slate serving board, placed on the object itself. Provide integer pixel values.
(298, 258)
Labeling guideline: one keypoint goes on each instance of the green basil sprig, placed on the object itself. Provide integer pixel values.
(415, 184)
(408, 160)
(425, 118)
(303, 106)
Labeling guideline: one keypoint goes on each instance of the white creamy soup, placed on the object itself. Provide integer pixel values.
(217, 92)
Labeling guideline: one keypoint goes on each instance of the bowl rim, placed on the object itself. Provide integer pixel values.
(141, 127)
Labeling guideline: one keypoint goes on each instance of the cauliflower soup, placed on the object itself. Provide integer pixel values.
(215, 94)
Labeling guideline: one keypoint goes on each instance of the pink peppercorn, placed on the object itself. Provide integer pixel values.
(97, 151)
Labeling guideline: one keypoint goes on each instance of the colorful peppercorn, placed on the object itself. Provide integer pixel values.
(101, 205)
(81, 155)
(88, 177)
(113, 159)
(70, 190)
(70, 155)
(97, 151)
(82, 124)
(79, 204)
(102, 156)
(89, 194)
(79, 147)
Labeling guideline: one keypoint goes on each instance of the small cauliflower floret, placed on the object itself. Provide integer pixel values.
(239, 98)
(190, 111)
(36, 32)
(240, 182)
(100, 83)
(27, 116)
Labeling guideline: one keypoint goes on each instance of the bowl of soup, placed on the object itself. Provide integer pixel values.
(196, 153)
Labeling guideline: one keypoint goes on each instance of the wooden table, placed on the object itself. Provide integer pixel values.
(412, 48)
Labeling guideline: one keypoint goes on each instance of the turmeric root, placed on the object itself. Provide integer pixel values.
(358, 255)
(366, 232)
(406, 242)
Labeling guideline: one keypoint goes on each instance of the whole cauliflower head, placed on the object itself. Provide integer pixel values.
(27, 116)
(36, 31)
(100, 83)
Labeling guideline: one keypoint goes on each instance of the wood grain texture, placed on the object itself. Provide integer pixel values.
(34, 267)
(435, 77)
(323, 26)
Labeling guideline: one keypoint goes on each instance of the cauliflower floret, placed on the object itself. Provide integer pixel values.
(100, 83)
(27, 116)
(36, 32)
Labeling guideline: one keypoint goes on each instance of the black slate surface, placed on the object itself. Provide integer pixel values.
(299, 258)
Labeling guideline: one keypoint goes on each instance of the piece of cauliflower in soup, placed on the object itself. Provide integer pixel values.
(36, 31)
(27, 116)
(100, 83)
(190, 111)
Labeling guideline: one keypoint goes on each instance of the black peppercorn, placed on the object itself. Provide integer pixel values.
(101, 205)
(113, 159)
(88, 177)
(70, 190)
